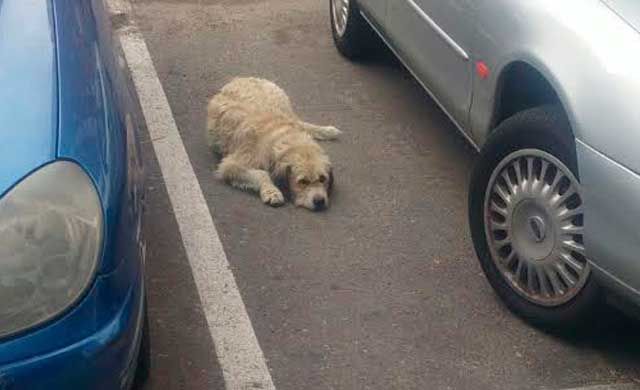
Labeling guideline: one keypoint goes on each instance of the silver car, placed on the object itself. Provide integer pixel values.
(548, 92)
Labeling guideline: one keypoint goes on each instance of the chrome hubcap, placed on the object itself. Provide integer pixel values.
(534, 226)
(340, 10)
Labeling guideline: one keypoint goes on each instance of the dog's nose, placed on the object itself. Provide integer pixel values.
(319, 203)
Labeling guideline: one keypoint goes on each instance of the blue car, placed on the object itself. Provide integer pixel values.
(72, 302)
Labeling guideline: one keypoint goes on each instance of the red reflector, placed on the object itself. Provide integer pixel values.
(482, 69)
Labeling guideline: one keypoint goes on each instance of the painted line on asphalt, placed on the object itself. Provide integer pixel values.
(237, 348)
(621, 386)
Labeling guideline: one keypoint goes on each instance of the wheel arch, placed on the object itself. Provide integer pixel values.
(541, 88)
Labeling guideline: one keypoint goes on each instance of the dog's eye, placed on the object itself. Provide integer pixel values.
(303, 182)
(322, 178)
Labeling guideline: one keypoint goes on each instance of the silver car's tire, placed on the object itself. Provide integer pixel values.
(352, 35)
(526, 216)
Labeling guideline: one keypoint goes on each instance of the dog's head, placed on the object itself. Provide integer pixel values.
(308, 176)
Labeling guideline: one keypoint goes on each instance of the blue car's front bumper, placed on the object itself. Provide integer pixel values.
(94, 346)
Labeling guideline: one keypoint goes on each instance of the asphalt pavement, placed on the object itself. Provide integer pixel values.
(382, 291)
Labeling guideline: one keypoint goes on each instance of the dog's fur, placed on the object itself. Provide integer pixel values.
(251, 123)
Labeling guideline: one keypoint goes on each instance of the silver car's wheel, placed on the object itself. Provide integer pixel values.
(340, 10)
(352, 34)
(526, 216)
(534, 227)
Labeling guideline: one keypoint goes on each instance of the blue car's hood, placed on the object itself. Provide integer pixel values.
(28, 91)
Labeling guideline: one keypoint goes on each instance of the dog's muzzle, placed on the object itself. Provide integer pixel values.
(319, 203)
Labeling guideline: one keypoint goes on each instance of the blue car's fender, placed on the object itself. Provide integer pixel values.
(96, 127)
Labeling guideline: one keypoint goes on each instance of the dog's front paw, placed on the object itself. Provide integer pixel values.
(272, 196)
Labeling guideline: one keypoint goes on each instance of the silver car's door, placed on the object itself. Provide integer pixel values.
(375, 9)
(434, 38)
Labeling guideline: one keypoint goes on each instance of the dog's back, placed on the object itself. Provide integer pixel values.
(241, 100)
(258, 95)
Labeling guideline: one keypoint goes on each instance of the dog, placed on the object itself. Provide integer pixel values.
(252, 125)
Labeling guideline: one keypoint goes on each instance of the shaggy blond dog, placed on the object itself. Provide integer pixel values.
(252, 125)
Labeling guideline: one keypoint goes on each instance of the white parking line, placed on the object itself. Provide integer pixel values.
(622, 386)
(239, 354)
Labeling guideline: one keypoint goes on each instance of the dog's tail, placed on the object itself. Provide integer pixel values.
(321, 133)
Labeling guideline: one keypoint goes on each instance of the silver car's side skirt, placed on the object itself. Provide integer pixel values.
(424, 86)
(434, 26)
(616, 284)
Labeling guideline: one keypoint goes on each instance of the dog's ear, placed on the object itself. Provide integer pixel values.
(281, 179)
(280, 170)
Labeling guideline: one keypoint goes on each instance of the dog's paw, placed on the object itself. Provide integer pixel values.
(328, 133)
(272, 196)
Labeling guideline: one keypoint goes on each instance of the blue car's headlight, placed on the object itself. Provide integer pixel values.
(50, 240)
